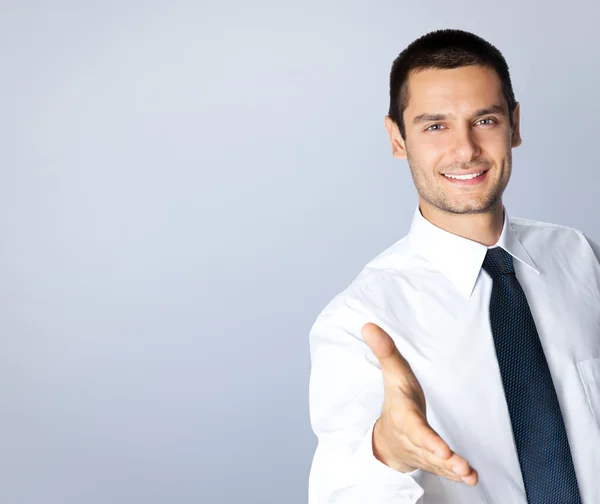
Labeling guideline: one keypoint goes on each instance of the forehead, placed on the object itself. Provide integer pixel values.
(457, 90)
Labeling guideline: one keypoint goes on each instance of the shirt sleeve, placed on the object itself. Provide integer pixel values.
(595, 247)
(345, 400)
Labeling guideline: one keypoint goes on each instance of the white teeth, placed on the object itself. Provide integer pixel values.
(463, 177)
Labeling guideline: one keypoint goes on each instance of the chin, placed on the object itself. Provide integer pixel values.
(473, 207)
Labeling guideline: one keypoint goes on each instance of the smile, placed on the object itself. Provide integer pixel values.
(464, 177)
(472, 179)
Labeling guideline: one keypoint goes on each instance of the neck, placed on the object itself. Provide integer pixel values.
(484, 228)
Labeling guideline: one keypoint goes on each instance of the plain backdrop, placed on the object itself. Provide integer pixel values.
(185, 185)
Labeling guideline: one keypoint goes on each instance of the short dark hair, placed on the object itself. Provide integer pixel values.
(444, 49)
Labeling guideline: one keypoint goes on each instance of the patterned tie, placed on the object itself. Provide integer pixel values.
(538, 428)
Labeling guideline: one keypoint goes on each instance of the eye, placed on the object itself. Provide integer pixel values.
(487, 119)
(434, 126)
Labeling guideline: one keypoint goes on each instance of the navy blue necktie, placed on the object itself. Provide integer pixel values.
(538, 427)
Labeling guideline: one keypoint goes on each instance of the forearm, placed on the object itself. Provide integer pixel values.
(346, 471)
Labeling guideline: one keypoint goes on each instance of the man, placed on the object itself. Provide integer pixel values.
(462, 365)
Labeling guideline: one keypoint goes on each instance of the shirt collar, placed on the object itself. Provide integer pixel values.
(459, 259)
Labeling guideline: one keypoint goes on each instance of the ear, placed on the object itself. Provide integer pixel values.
(516, 139)
(398, 144)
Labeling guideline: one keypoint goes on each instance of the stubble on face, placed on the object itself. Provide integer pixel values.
(473, 132)
(431, 190)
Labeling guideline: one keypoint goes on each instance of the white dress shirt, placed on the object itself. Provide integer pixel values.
(429, 293)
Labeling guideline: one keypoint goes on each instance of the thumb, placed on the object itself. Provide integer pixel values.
(394, 367)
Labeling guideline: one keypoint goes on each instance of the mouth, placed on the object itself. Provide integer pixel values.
(466, 180)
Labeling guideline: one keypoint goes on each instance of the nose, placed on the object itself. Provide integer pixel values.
(466, 146)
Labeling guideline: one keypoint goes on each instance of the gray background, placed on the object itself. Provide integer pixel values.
(185, 185)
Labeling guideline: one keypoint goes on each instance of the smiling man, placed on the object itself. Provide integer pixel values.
(462, 364)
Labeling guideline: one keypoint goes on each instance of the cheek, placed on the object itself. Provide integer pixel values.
(435, 143)
(497, 146)
(427, 156)
(437, 150)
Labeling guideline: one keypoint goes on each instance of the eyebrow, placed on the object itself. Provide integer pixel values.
(492, 109)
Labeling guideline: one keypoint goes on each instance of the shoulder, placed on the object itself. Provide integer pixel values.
(553, 237)
(537, 226)
(354, 303)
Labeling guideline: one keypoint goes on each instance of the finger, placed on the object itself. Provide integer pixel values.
(472, 479)
(436, 453)
(456, 468)
(422, 435)
(433, 464)
(459, 467)
(394, 367)
(425, 461)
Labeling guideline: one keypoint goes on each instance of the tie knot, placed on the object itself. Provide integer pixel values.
(498, 262)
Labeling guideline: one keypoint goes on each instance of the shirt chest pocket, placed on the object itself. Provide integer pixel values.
(589, 372)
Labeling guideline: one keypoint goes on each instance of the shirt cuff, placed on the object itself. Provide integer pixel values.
(382, 479)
